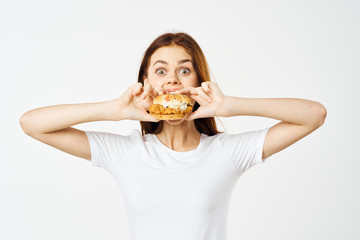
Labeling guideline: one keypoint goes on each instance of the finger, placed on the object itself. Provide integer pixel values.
(195, 93)
(137, 88)
(149, 118)
(161, 91)
(202, 94)
(192, 116)
(206, 86)
(187, 90)
(147, 89)
(158, 91)
(190, 92)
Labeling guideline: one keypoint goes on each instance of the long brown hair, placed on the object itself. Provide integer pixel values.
(203, 125)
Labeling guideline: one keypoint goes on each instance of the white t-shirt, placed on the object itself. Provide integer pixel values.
(170, 195)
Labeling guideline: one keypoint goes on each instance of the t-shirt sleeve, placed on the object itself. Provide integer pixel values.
(107, 149)
(245, 149)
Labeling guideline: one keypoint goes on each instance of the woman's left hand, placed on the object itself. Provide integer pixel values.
(208, 96)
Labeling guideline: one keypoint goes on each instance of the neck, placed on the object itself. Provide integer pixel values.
(179, 137)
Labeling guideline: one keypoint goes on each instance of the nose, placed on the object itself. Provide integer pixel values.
(172, 80)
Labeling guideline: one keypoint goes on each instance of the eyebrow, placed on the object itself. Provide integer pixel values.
(181, 61)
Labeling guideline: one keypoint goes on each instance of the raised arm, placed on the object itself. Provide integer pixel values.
(299, 117)
(52, 124)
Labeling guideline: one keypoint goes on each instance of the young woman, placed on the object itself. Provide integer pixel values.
(176, 176)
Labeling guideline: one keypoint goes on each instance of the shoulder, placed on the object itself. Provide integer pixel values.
(110, 137)
(240, 138)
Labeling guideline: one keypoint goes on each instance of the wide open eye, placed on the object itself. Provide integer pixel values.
(160, 71)
(185, 70)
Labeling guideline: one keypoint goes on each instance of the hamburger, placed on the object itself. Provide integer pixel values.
(171, 106)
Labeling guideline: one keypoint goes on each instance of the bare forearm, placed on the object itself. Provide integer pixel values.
(53, 118)
(292, 110)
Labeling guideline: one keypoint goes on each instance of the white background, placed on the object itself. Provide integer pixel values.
(73, 51)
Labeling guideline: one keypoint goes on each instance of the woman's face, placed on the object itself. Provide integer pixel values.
(171, 68)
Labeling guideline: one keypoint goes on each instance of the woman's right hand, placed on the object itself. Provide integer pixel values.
(135, 102)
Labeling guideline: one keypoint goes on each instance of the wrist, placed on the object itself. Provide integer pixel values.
(113, 110)
(225, 107)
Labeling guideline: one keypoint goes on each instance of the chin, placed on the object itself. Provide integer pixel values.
(175, 122)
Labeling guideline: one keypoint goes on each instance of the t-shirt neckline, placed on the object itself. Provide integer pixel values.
(180, 155)
(177, 154)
